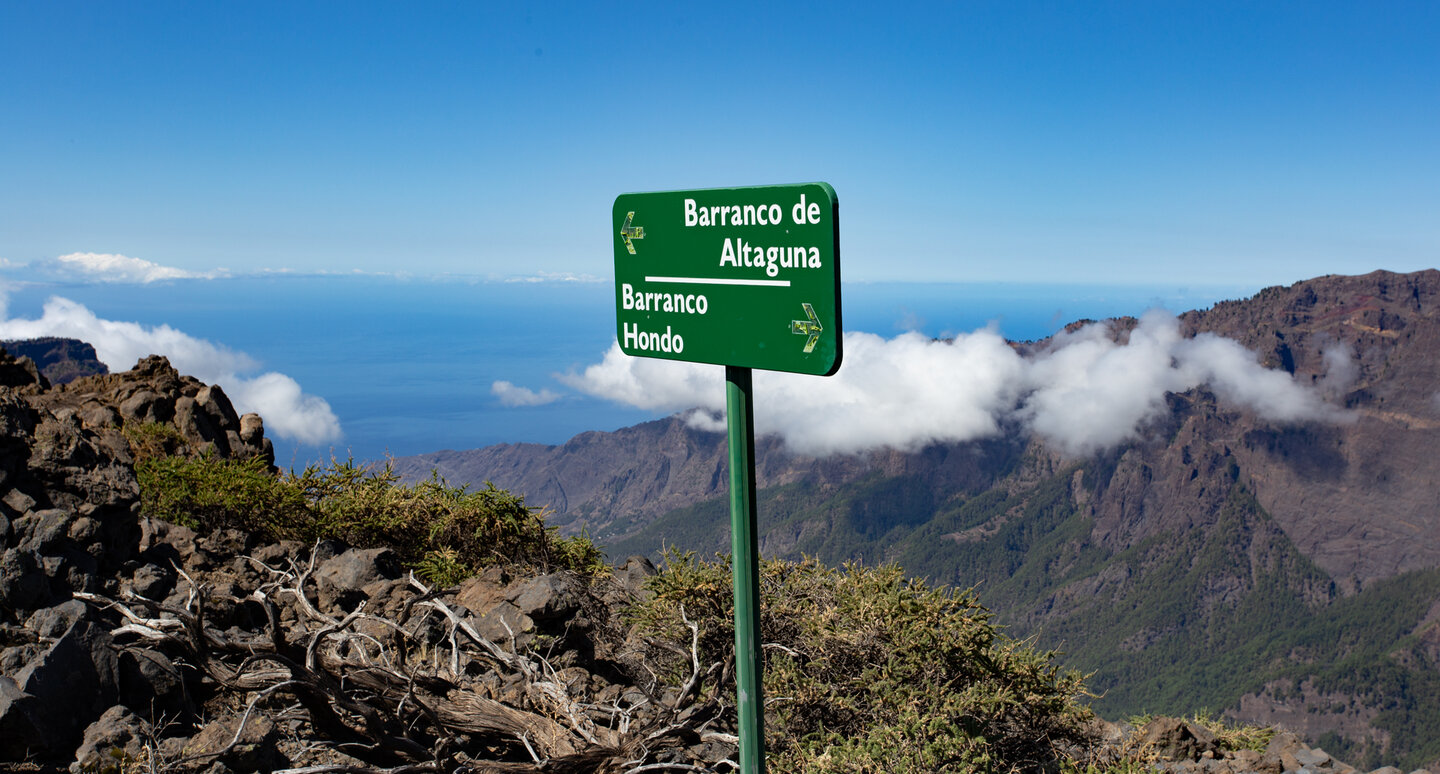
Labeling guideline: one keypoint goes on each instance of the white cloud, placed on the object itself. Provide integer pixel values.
(1237, 377)
(904, 392)
(109, 267)
(554, 276)
(700, 419)
(513, 396)
(1087, 392)
(647, 383)
(288, 412)
(1341, 370)
(1084, 392)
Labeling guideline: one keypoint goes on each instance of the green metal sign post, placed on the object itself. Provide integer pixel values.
(745, 278)
(745, 568)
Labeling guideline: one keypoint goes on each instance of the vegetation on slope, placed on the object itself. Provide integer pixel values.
(446, 533)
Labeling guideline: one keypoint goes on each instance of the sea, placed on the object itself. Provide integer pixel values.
(407, 364)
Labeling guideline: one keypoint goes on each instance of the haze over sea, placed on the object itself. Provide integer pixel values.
(407, 365)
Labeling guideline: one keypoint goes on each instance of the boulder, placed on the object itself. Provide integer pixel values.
(41, 531)
(63, 690)
(1176, 740)
(17, 725)
(152, 581)
(255, 748)
(199, 428)
(22, 586)
(18, 501)
(152, 685)
(112, 744)
(546, 598)
(1312, 757)
(630, 579)
(341, 580)
(252, 429)
(53, 622)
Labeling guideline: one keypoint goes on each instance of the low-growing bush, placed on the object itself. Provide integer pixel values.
(868, 671)
(206, 493)
(447, 533)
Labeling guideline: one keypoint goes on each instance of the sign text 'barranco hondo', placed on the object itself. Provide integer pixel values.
(736, 276)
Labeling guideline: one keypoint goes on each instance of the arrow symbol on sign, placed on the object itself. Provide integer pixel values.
(810, 327)
(629, 232)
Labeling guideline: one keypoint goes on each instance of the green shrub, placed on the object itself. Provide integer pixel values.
(149, 440)
(442, 568)
(867, 670)
(446, 532)
(206, 493)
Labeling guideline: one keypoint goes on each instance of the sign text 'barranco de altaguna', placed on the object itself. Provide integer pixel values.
(745, 277)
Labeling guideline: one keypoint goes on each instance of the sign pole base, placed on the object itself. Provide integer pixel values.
(745, 562)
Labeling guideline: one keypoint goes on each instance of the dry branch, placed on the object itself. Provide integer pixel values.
(403, 714)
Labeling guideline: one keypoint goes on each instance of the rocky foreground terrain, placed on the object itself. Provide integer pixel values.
(130, 644)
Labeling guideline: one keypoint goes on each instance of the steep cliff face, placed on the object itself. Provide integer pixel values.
(1357, 498)
(1219, 560)
(61, 360)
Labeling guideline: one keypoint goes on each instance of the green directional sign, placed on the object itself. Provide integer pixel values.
(746, 277)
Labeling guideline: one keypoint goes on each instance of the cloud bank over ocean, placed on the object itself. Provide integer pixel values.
(1083, 393)
(111, 267)
(288, 412)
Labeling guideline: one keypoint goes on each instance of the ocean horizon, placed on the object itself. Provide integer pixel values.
(407, 365)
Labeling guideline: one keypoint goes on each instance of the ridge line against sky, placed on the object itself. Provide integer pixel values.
(1149, 143)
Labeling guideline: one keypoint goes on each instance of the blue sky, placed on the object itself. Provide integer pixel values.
(1162, 142)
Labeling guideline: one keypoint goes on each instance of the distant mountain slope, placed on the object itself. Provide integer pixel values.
(1219, 561)
(1360, 500)
(61, 360)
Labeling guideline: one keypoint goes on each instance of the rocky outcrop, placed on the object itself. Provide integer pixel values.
(69, 500)
(202, 671)
(70, 525)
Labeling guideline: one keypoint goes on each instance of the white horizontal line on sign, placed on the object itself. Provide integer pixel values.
(719, 281)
